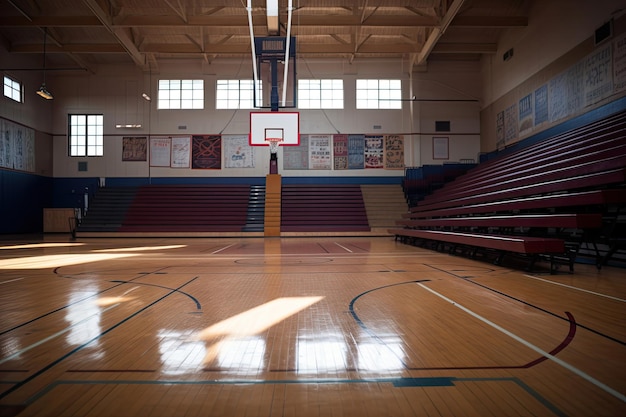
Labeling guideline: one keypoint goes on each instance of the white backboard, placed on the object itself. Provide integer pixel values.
(274, 124)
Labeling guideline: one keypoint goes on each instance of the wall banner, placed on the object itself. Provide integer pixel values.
(320, 151)
(340, 152)
(160, 152)
(394, 152)
(206, 152)
(297, 157)
(181, 152)
(134, 148)
(237, 152)
(356, 151)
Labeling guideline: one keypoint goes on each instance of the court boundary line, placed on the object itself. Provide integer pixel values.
(564, 343)
(400, 382)
(529, 345)
(87, 343)
(571, 287)
(519, 300)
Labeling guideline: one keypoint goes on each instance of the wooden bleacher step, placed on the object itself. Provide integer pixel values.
(256, 209)
(323, 208)
(546, 200)
(107, 209)
(180, 208)
(384, 204)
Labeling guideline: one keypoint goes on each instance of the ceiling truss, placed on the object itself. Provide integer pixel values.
(89, 33)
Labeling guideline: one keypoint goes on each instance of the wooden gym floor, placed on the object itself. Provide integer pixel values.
(301, 327)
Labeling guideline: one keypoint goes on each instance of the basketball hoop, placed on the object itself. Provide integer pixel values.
(274, 129)
(274, 136)
(274, 143)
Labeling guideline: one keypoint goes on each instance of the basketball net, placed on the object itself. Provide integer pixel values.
(274, 143)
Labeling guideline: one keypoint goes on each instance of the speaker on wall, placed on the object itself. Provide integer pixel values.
(507, 55)
(603, 32)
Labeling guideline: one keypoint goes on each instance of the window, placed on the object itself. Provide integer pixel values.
(13, 89)
(85, 134)
(378, 94)
(236, 94)
(181, 94)
(320, 94)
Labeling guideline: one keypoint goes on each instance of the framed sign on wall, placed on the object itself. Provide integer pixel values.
(440, 148)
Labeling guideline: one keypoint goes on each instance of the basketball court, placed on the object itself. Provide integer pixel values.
(301, 327)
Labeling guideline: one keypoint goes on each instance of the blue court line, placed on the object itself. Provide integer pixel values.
(554, 409)
(403, 382)
(56, 310)
(78, 348)
(56, 272)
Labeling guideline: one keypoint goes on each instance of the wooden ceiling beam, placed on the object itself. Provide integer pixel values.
(50, 21)
(180, 10)
(120, 34)
(241, 21)
(437, 32)
(302, 20)
(82, 48)
(462, 48)
(222, 46)
(489, 21)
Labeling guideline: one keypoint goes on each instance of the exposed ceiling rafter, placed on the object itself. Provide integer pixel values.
(94, 32)
(436, 34)
(119, 33)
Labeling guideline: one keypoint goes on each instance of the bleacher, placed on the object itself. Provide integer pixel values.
(107, 209)
(187, 208)
(323, 208)
(543, 201)
(209, 210)
(421, 181)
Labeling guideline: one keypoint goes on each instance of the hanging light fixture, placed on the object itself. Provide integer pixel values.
(43, 91)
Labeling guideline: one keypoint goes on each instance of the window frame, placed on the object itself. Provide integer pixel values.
(332, 86)
(20, 90)
(235, 94)
(379, 94)
(180, 91)
(88, 136)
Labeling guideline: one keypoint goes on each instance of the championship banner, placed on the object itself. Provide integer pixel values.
(340, 152)
(541, 105)
(619, 63)
(160, 150)
(356, 151)
(510, 123)
(598, 75)
(525, 109)
(181, 152)
(394, 152)
(17, 146)
(206, 151)
(319, 152)
(297, 157)
(237, 152)
(500, 130)
(374, 152)
(134, 148)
